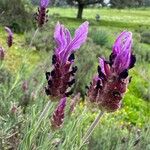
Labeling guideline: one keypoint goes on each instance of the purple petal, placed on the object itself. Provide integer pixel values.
(59, 37)
(122, 50)
(8, 30)
(79, 38)
(44, 3)
(122, 62)
(62, 103)
(101, 62)
(118, 45)
(65, 44)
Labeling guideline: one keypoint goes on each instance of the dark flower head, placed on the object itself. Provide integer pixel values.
(41, 15)
(10, 36)
(61, 78)
(109, 86)
(58, 115)
(2, 53)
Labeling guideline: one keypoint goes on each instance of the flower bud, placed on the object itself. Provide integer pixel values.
(58, 115)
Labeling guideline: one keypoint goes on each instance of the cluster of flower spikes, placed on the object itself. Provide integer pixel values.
(61, 78)
(109, 86)
(41, 16)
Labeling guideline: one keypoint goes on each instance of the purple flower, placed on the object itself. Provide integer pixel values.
(61, 77)
(122, 52)
(10, 36)
(2, 53)
(66, 45)
(109, 86)
(41, 15)
(44, 3)
(58, 115)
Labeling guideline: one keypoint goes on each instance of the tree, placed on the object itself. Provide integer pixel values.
(126, 3)
(82, 4)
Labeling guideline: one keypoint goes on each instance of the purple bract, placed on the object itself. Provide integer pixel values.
(66, 45)
(44, 3)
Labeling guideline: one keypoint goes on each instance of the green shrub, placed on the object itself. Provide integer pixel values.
(43, 39)
(16, 14)
(145, 37)
(87, 61)
(142, 51)
(100, 37)
(112, 136)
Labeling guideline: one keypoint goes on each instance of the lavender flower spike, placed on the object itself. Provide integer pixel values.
(61, 77)
(58, 115)
(109, 86)
(10, 36)
(2, 53)
(41, 15)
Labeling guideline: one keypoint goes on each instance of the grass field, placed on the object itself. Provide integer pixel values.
(119, 130)
(128, 16)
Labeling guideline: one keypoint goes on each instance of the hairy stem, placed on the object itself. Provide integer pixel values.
(34, 35)
(43, 114)
(91, 128)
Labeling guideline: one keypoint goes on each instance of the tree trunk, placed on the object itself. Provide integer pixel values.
(80, 11)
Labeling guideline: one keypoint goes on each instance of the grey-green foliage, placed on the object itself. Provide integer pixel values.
(145, 37)
(120, 137)
(142, 52)
(44, 37)
(99, 37)
(86, 60)
(16, 14)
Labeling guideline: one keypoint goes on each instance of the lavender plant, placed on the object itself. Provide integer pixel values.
(41, 15)
(109, 86)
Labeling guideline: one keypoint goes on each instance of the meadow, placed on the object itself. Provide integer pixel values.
(22, 126)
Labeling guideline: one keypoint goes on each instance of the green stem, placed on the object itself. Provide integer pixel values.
(43, 114)
(91, 128)
(35, 33)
